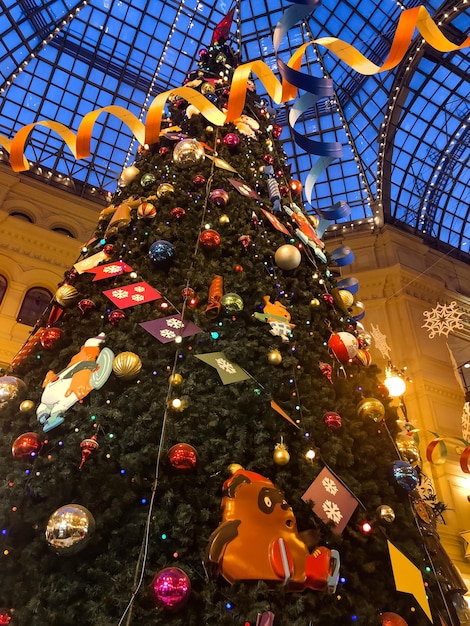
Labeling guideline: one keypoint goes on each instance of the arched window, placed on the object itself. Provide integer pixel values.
(21, 216)
(34, 304)
(3, 286)
(63, 231)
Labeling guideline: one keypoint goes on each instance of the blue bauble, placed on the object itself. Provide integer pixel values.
(161, 251)
(405, 476)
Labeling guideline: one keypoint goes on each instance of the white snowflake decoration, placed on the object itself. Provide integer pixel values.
(442, 320)
(330, 485)
(226, 366)
(332, 511)
(173, 322)
(169, 334)
(137, 297)
(139, 289)
(112, 269)
(120, 294)
(380, 341)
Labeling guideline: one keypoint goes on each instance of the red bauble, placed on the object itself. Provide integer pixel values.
(85, 305)
(295, 187)
(50, 337)
(183, 457)
(343, 346)
(392, 619)
(245, 240)
(27, 445)
(332, 420)
(269, 159)
(210, 239)
(88, 446)
(284, 191)
(5, 617)
(277, 130)
(108, 249)
(187, 293)
(163, 150)
(199, 180)
(177, 213)
(383, 391)
(116, 316)
(171, 589)
(231, 140)
(238, 268)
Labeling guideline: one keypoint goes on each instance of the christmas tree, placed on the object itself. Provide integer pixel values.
(199, 354)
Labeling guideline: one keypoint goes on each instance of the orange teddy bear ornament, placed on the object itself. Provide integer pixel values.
(258, 539)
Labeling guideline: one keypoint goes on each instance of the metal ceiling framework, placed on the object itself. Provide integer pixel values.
(405, 132)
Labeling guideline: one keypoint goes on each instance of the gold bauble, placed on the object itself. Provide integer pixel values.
(207, 88)
(275, 357)
(314, 303)
(164, 189)
(127, 365)
(386, 513)
(408, 449)
(66, 295)
(224, 219)
(346, 297)
(209, 129)
(234, 467)
(188, 152)
(175, 379)
(232, 303)
(287, 257)
(26, 405)
(69, 529)
(371, 408)
(281, 456)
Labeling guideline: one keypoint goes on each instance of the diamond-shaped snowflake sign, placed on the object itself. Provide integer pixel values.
(166, 329)
(380, 341)
(442, 320)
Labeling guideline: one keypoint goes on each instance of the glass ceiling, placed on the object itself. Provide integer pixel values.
(405, 132)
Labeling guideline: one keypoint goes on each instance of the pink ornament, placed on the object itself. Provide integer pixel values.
(245, 240)
(219, 197)
(116, 316)
(5, 617)
(326, 370)
(171, 589)
(163, 150)
(332, 420)
(85, 305)
(328, 299)
(231, 140)
(269, 159)
(343, 346)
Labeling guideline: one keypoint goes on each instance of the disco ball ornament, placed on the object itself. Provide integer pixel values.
(69, 529)
(363, 358)
(188, 152)
(27, 446)
(164, 189)
(231, 140)
(408, 449)
(127, 365)
(66, 295)
(161, 251)
(386, 513)
(86, 305)
(50, 337)
(147, 180)
(343, 346)
(10, 386)
(5, 617)
(332, 420)
(275, 357)
(210, 239)
(405, 476)
(371, 408)
(219, 197)
(392, 619)
(287, 257)
(115, 316)
(171, 589)
(177, 213)
(146, 210)
(232, 303)
(182, 457)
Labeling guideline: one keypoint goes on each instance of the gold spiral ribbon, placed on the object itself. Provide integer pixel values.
(292, 79)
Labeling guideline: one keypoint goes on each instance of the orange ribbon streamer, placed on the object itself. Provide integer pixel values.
(79, 144)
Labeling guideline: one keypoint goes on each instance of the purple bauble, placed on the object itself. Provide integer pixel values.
(171, 588)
